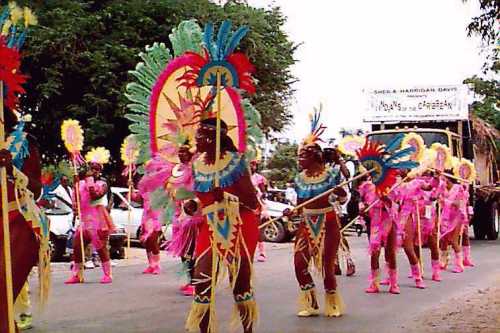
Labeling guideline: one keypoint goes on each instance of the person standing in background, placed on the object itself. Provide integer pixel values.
(260, 184)
(291, 194)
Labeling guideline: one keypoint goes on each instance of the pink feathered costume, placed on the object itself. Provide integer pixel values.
(455, 207)
(381, 216)
(156, 174)
(413, 195)
(185, 227)
(95, 217)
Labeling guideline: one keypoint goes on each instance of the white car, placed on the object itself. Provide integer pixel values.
(284, 228)
(129, 215)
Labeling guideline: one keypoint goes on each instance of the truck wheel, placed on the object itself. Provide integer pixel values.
(275, 232)
(478, 232)
(493, 221)
(480, 219)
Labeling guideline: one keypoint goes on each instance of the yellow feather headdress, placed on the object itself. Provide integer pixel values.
(443, 159)
(350, 144)
(465, 169)
(416, 141)
(129, 150)
(99, 155)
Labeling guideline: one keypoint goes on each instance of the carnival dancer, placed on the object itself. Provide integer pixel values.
(231, 229)
(411, 199)
(28, 226)
(318, 236)
(464, 170)
(260, 184)
(468, 213)
(96, 224)
(187, 216)
(156, 173)
(383, 233)
(453, 217)
(432, 188)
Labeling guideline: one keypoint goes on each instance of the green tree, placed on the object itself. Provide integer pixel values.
(486, 27)
(283, 164)
(489, 107)
(79, 56)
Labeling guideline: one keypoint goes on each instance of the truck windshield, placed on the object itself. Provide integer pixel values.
(429, 137)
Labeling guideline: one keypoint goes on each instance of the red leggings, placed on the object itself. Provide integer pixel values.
(152, 243)
(87, 239)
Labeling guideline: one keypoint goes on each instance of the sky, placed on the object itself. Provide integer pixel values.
(349, 46)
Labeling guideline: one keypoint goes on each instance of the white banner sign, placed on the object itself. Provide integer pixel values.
(417, 104)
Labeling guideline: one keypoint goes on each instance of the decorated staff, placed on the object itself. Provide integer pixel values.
(24, 228)
(129, 154)
(72, 136)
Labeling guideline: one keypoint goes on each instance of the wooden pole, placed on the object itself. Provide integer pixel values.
(438, 214)
(79, 211)
(5, 225)
(129, 198)
(319, 196)
(419, 235)
(217, 184)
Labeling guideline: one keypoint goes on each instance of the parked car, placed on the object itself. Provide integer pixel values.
(62, 230)
(120, 214)
(284, 228)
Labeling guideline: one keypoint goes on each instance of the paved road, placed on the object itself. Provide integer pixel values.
(139, 303)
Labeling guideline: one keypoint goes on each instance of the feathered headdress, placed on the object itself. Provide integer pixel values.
(417, 142)
(99, 155)
(443, 159)
(219, 56)
(316, 130)
(350, 144)
(385, 161)
(465, 169)
(72, 136)
(129, 152)
(14, 23)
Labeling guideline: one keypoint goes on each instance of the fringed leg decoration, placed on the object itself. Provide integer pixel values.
(200, 309)
(467, 257)
(436, 270)
(393, 281)
(107, 276)
(386, 281)
(334, 305)
(155, 262)
(148, 269)
(308, 303)
(373, 280)
(245, 312)
(76, 274)
(417, 275)
(459, 266)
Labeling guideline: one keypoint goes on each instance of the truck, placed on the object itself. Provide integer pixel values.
(442, 114)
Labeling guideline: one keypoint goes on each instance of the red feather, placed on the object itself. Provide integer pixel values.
(245, 69)
(10, 74)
